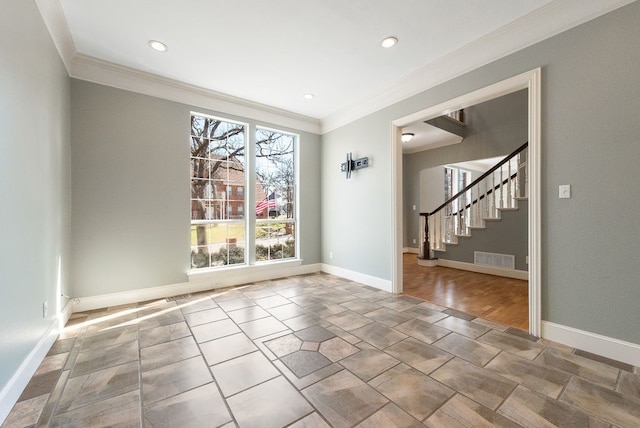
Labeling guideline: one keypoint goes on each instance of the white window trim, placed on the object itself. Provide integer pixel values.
(250, 219)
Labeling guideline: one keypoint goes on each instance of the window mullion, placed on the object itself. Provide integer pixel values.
(250, 195)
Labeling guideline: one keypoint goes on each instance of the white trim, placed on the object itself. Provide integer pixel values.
(547, 21)
(411, 250)
(529, 80)
(487, 93)
(65, 314)
(18, 382)
(534, 194)
(490, 270)
(117, 76)
(609, 347)
(397, 215)
(198, 281)
(56, 22)
(362, 278)
(543, 23)
(231, 276)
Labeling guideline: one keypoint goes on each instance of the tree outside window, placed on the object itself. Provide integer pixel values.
(218, 197)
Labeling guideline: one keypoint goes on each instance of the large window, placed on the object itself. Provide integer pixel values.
(218, 226)
(275, 195)
(220, 219)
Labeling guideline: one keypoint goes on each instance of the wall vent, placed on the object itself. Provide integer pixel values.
(503, 261)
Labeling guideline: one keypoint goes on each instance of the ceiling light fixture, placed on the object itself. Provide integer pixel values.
(158, 46)
(387, 42)
(406, 137)
(308, 96)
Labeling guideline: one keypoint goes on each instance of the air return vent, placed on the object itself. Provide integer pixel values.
(503, 261)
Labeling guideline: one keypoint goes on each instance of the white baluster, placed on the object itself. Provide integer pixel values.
(435, 231)
(461, 229)
(492, 208)
(519, 176)
(449, 219)
(525, 171)
(509, 193)
(501, 190)
(438, 230)
(485, 201)
(472, 220)
(442, 229)
(478, 211)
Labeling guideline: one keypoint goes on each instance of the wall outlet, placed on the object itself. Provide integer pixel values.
(331, 254)
(414, 207)
(45, 309)
(414, 240)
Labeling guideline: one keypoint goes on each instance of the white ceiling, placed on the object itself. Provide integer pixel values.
(273, 52)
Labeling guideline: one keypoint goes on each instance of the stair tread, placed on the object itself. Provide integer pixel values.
(508, 209)
(491, 218)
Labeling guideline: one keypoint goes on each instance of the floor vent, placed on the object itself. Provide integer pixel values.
(503, 261)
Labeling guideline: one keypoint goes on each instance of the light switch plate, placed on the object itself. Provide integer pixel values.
(564, 191)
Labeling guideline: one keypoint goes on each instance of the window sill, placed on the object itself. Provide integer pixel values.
(264, 267)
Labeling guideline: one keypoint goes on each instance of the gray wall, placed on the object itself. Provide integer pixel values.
(590, 139)
(507, 236)
(130, 167)
(356, 213)
(34, 183)
(496, 128)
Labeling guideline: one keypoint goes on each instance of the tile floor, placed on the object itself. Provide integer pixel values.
(315, 351)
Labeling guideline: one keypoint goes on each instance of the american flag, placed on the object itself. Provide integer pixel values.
(268, 202)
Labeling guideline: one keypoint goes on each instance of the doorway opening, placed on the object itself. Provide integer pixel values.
(529, 81)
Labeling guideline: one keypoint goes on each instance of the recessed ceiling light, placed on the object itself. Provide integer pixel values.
(308, 96)
(387, 42)
(159, 46)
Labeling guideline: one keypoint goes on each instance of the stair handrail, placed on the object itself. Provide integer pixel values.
(479, 179)
(481, 197)
(426, 246)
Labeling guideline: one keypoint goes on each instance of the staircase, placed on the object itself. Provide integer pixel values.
(496, 191)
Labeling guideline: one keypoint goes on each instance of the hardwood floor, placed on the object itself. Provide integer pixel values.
(503, 300)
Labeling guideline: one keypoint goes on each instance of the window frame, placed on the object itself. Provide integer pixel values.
(247, 194)
(225, 212)
(296, 197)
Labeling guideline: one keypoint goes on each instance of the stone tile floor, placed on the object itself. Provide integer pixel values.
(315, 351)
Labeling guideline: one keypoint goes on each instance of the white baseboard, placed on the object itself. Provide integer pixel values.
(411, 250)
(15, 386)
(373, 281)
(507, 273)
(198, 281)
(65, 314)
(609, 347)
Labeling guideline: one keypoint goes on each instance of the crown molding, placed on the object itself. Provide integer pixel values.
(543, 23)
(56, 23)
(94, 70)
(107, 73)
